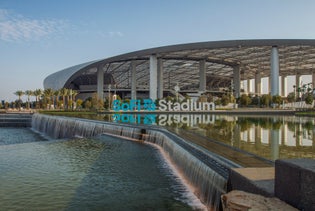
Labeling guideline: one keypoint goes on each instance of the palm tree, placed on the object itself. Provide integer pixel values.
(29, 93)
(19, 93)
(37, 93)
(57, 95)
(69, 97)
(49, 95)
(64, 93)
(74, 94)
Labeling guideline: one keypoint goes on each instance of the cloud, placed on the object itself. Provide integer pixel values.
(14, 27)
(115, 34)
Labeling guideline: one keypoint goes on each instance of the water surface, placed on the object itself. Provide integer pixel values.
(102, 173)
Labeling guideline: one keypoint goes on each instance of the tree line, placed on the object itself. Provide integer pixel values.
(65, 99)
(44, 99)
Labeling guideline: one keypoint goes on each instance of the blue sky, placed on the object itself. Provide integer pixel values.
(40, 37)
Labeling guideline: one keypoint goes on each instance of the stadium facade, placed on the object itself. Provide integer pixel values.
(194, 68)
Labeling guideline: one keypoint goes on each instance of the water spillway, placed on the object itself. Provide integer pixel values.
(207, 173)
(15, 120)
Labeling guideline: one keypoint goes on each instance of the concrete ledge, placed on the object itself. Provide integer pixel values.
(252, 180)
(295, 182)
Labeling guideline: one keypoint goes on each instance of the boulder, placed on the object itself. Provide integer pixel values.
(242, 201)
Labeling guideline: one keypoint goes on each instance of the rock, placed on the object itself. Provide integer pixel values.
(243, 201)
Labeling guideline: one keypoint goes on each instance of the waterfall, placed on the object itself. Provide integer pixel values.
(209, 184)
(206, 172)
(64, 127)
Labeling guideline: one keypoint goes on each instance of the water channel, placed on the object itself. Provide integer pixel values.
(111, 173)
(102, 173)
(269, 137)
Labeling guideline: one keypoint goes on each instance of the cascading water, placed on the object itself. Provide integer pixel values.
(63, 127)
(209, 184)
(206, 173)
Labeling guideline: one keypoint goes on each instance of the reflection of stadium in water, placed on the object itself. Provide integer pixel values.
(269, 137)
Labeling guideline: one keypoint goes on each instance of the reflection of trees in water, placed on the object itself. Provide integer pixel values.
(308, 127)
(229, 132)
(221, 130)
(298, 129)
(265, 123)
(291, 126)
(244, 124)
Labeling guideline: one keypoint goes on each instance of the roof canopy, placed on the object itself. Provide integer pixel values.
(181, 63)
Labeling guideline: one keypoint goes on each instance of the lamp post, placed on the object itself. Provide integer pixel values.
(294, 88)
(115, 95)
(176, 88)
(109, 86)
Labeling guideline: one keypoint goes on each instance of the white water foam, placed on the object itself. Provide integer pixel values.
(187, 190)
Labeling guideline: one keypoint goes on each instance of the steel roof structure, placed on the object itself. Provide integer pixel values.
(181, 64)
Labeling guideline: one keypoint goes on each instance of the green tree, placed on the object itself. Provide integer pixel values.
(57, 96)
(96, 102)
(291, 97)
(29, 93)
(64, 93)
(19, 93)
(255, 100)
(245, 100)
(225, 100)
(49, 97)
(266, 99)
(87, 104)
(74, 94)
(79, 103)
(69, 98)
(37, 93)
(309, 98)
(218, 102)
(277, 99)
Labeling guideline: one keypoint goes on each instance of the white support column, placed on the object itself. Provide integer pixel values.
(257, 83)
(202, 76)
(153, 77)
(237, 81)
(133, 80)
(249, 85)
(274, 71)
(160, 79)
(284, 86)
(297, 80)
(269, 84)
(100, 82)
(297, 84)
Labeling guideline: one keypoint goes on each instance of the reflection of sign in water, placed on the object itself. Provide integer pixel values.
(188, 119)
(147, 119)
(134, 105)
(164, 119)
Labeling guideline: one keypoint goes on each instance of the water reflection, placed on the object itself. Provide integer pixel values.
(271, 137)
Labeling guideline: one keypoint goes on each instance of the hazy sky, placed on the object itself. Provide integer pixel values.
(40, 37)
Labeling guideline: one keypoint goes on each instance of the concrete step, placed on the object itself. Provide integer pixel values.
(15, 120)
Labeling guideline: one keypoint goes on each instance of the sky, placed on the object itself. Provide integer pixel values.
(40, 37)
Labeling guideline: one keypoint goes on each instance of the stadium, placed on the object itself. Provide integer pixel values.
(193, 69)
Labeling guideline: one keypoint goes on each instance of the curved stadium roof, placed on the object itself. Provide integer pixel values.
(181, 64)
